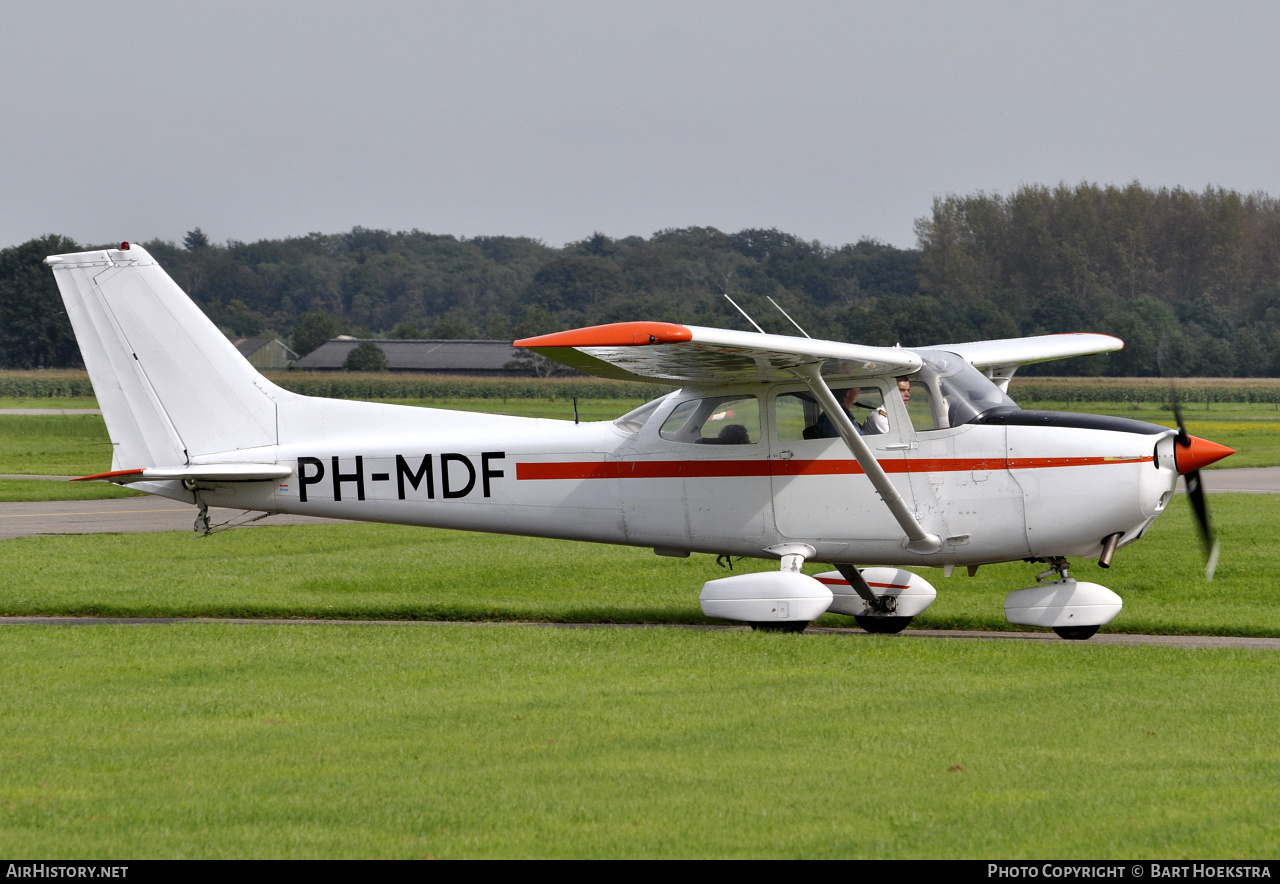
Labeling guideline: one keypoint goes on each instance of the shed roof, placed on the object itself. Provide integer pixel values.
(444, 357)
(249, 346)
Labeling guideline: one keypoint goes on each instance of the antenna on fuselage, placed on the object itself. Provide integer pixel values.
(789, 319)
(743, 312)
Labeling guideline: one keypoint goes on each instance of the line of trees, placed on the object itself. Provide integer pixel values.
(1190, 280)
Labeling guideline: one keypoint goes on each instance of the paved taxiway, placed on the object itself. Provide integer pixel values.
(129, 515)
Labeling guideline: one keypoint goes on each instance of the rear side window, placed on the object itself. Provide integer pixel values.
(634, 421)
(720, 420)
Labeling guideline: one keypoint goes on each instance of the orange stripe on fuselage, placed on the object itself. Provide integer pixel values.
(714, 469)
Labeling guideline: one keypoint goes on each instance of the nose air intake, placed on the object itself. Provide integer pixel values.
(1198, 453)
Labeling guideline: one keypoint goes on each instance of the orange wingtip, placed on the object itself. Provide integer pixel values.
(108, 476)
(615, 334)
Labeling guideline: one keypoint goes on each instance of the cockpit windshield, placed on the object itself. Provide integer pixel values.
(959, 392)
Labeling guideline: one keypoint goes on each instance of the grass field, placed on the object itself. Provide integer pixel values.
(17, 490)
(472, 741)
(54, 445)
(49, 402)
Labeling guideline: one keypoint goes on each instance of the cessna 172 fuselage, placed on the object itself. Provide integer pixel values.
(737, 460)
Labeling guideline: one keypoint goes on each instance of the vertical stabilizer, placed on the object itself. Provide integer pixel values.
(170, 385)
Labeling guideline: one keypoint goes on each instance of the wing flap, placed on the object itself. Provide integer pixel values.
(680, 354)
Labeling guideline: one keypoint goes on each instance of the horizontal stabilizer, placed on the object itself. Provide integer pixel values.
(689, 354)
(220, 472)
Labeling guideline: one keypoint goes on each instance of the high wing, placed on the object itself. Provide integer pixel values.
(689, 354)
(998, 360)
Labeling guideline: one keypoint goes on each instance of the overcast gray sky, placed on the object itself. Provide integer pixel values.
(833, 121)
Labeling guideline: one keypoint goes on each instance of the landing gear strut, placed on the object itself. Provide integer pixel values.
(881, 617)
(1058, 573)
(791, 556)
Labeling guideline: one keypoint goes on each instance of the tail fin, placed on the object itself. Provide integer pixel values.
(170, 385)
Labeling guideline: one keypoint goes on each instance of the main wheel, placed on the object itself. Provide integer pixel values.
(786, 626)
(882, 625)
(1075, 633)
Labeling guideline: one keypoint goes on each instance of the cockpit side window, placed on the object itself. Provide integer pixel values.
(719, 420)
(923, 410)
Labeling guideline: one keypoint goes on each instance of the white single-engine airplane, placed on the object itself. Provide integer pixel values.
(757, 453)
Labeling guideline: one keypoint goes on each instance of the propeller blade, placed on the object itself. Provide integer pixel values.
(1189, 455)
(1183, 438)
(1199, 506)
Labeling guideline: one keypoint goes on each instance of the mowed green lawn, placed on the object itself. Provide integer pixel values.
(54, 445)
(207, 740)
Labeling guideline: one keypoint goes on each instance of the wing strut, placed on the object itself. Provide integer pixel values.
(918, 539)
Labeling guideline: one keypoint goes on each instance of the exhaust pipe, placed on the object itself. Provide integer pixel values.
(1109, 544)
